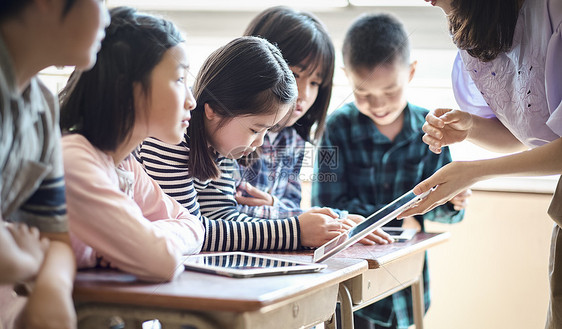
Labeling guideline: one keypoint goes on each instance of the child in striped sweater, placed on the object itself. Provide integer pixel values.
(243, 90)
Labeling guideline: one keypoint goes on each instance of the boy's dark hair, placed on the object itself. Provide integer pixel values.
(246, 77)
(303, 40)
(484, 28)
(373, 40)
(10, 8)
(99, 103)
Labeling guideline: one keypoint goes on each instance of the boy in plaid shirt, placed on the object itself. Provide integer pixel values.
(374, 147)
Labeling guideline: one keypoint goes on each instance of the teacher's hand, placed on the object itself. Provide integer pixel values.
(445, 127)
(449, 181)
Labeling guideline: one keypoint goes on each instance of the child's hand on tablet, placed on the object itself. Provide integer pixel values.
(318, 226)
(376, 237)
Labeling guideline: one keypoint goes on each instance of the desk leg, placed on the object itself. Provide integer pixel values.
(419, 305)
(346, 307)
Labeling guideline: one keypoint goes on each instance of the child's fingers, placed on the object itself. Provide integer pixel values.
(241, 186)
(346, 225)
(325, 211)
(377, 239)
(254, 191)
(44, 244)
(367, 242)
(11, 229)
(21, 230)
(249, 188)
(330, 235)
(354, 218)
(267, 199)
(34, 232)
(334, 226)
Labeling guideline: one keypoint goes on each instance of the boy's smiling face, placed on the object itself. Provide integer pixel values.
(380, 92)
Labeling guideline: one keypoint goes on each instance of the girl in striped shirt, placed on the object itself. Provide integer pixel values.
(243, 90)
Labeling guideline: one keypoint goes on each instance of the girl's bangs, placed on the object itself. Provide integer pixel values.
(317, 54)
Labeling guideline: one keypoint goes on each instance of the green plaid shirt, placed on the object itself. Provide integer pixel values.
(361, 170)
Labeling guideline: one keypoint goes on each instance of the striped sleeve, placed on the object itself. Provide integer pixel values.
(231, 235)
(167, 164)
(226, 229)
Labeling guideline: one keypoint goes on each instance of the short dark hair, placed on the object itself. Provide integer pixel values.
(303, 40)
(483, 28)
(373, 40)
(14, 7)
(248, 76)
(99, 103)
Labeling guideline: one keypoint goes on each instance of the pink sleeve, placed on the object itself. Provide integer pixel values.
(111, 223)
(467, 95)
(167, 214)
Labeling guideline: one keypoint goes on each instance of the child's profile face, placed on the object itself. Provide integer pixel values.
(166, 110)
(240, 135)
(308, 84)
(380, 92)
(81, 31)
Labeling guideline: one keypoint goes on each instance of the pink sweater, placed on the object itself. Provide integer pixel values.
(121, 214)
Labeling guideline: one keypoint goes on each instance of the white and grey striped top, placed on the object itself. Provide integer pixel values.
(226, 229)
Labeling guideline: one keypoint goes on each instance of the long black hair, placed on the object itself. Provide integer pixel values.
(99, 103)
(303, 40)
(248, 76)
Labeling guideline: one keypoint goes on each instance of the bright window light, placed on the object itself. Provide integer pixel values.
(222, 5)
(389, 3)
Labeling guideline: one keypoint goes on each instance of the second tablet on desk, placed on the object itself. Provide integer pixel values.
(243, 265)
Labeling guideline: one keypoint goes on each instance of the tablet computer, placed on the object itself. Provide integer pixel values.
(244, 265)
(371, 223)
(399, 233)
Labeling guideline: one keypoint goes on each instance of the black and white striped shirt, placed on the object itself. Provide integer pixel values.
(213, 201)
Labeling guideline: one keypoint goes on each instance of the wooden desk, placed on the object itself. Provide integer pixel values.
(197, 300)
(392, 267)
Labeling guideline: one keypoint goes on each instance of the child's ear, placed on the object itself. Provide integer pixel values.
(344, 69)
(412, 70)
(210, 114)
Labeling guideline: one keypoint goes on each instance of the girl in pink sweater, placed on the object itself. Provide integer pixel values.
(118, 215)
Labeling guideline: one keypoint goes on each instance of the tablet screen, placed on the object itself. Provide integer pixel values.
(395, 205)
(240, 261)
